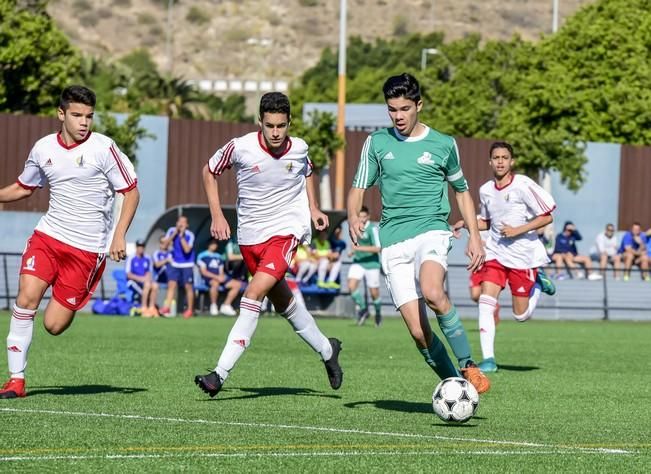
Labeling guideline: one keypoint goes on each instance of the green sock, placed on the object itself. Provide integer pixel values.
(437, 358)
(357, 298)
(456, 336)
(378, 305)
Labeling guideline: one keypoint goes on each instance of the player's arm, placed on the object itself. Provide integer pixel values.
(354, 206)
(219, 227)
(534, 224)
(475, 249)
(319, 219)
(186, 244)
(15, 192)
(118, 249)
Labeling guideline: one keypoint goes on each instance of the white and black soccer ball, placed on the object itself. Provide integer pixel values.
(455, 400)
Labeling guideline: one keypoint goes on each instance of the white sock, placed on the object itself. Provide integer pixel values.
(303, 269)
(487, 325)
(311, 271)
(334, 271)
(240, 336)
(305, 326)
(19, 339)
(323, 269)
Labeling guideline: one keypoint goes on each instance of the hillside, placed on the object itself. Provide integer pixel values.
(257, 39)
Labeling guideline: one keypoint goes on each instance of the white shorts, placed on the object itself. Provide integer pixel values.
(401, 263)
(372, 275)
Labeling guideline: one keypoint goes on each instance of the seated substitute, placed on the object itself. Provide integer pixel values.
(337, 252)
(321, 250)
(235, 266)
(566, 254)
(211, 266)
(139, 269)
(606, 246)
(161, 260)
(634, 251)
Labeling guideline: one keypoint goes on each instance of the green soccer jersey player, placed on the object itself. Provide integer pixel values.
(413, 164)
(366, 265)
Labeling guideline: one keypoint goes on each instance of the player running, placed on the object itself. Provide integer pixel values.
(276, 206)
(68, 248)
(412, 165)
(512, 208)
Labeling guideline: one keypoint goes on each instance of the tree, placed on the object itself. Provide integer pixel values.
(36, 59)
(125, 135)
(320, 134)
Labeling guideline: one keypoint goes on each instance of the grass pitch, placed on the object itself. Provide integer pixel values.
(117, 394)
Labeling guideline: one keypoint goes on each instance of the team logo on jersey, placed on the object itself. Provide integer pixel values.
(30, 263)
(48, 162)
(506, 197)
(255, 169)
(214, 263)
(289, 167)
(80, 161)
(425, 159)
(389, 156)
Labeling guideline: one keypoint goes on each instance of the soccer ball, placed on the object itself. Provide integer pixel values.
(455, 400)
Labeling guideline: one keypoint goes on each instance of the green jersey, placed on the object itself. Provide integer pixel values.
(369, 238)
(413, 175)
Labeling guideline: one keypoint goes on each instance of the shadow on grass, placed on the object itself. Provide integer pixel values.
(271, 392)
(82, 390)
(518, 368)
(395, 405)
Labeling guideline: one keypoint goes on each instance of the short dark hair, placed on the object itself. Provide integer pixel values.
(364, 209)
(403, 85)
(76, 95)
(274, 103)
(497, 145)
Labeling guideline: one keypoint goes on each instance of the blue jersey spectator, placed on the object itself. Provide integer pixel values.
(634, 251)
(139, 271)
(211, 267)
(566, 255)
(162, 259)
(181, 269)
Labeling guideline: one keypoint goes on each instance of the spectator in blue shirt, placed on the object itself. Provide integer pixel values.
(181, 270)
(161, 259)
(634, 251)
(566, 254)
(211, 266)
(139, 269)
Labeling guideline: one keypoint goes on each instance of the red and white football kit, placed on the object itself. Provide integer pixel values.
(273, 214)
(513, 259)
(69, 243)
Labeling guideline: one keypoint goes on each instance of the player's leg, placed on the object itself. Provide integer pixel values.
(306, 328)
(146, 292)
(401, 281)
(603, 262)
(233, 287)
(355, 274)
(213, 294)
(171, 291)
(335, 268)
(644, 266)
(526, 292)
(374, 290)
(57, 317)
(629, 257)
(21, 329)
(617, 265)
(187, 280)
(491, 288)
(322, 271)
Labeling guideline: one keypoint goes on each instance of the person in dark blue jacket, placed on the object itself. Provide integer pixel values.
(566, 255)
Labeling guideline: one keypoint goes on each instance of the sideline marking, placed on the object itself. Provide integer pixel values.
(322, 429)
(288, 455)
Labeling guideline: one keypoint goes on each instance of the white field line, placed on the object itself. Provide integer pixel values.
(320, 428)
(194, 455)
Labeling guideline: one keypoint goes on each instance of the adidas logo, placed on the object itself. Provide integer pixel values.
(240, 342)
(389, 156)
(255, 169)
(14, 349)
(520, 290)
(270, 266)
(48, 162)
(72, 300)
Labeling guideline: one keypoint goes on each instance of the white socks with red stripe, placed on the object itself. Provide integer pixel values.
(303, 323)
(19, 339)
(240, 336)
(487, 325)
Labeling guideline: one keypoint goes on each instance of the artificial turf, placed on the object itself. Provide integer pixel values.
(117, 394)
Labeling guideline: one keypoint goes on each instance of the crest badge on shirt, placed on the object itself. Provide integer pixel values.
(30, 263)
(80, 161)
(290, 167)
(425, 159)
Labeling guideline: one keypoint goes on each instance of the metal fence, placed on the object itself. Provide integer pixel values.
(607, 299)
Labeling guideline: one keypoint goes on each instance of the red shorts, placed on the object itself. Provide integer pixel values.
(520, 280)
(272, 256)
(475, 279)
(72, 273)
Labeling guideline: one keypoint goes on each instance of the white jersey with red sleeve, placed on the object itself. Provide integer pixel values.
(272, 197)
(83, 179)
(515, 204)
